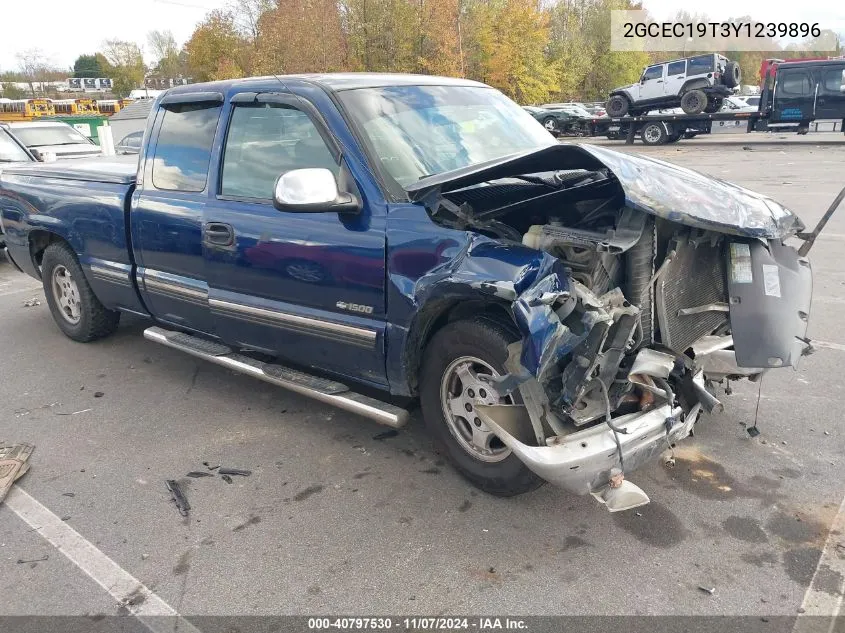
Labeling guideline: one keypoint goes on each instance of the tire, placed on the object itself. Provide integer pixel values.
(550, 123)
(674, 137)
(456, 346)
(617, 106)
(714, 105)
(654, 134)
(75, 307)
(694, 102)
(733, 75)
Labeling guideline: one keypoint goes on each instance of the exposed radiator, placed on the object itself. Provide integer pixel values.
(695, 278)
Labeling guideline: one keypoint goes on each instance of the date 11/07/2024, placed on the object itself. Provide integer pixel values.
(421, 623)
(720, 29)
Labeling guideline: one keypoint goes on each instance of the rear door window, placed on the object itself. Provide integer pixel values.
(183, 150)
(794, 83)
(677, 68)
(700, 65)
(833, 81)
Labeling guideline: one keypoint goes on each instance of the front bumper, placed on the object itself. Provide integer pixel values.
(581, 462)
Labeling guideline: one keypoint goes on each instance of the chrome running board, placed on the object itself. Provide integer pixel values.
(322, 389)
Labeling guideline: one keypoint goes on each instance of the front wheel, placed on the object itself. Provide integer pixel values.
(450, 389)
(617, 106)
(75, 307)
(550, 124)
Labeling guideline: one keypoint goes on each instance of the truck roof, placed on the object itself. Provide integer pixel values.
(331, 82)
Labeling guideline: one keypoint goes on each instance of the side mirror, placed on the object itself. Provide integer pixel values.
(312, 190)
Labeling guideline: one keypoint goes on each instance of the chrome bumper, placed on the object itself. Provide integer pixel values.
(581, 462)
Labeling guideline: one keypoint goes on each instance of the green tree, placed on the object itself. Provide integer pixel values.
(125, 65)
(11, 91)
(88, 66)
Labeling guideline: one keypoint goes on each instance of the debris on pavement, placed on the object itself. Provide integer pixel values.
(75, 412)
(32, 302)
(710, 590)
(226, 478)
(21, 561)
(386, 434)
(235, 471)
(196, 474)
(178, 497)
(209, 466)
(98, 394)
(13, 465)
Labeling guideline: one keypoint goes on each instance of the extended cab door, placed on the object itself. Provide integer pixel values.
(794, 95)
(830, 98)
(676, 75)
(308, 287)
(167, 210)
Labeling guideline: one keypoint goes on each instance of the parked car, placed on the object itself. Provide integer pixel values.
(558, 122)
(695, 84)
(575, 109)
(562, 312)
(130, 144)
(752, 100)
(61, 139)
(735, 104)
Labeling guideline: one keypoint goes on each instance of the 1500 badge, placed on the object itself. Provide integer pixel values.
(355, 307)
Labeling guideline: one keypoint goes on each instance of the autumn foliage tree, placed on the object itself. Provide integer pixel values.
(217, 49)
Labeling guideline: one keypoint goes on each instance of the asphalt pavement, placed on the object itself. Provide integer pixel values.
(339, 517)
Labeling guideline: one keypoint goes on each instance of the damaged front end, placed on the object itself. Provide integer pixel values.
(637, 312)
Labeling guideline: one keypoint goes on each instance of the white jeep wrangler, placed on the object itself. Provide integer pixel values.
(696, 84)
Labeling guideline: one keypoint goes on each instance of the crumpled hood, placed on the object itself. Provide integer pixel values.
(653, 186)
(690, 197)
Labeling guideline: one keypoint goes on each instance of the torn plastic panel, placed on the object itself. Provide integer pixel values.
(561, 319)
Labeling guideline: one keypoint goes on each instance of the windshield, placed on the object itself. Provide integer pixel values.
(50, 135)
(419, 131)
(11, 152)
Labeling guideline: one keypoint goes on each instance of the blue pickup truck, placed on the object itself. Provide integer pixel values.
(561, 312)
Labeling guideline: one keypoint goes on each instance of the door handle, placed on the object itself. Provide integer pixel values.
(219, 234)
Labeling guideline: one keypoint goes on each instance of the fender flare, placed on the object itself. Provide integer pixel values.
(694, 84)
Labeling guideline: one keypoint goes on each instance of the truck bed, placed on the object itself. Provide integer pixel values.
(84, 202)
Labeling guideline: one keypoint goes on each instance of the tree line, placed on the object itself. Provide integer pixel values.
(533, 50)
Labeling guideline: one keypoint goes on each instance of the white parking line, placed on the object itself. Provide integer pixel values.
(138, 599)
(837, 346)
(821, 599)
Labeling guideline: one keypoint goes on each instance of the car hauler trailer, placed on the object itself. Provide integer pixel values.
(793, 96)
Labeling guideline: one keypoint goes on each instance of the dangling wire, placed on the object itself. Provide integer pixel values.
(616, 430)
(753, 431)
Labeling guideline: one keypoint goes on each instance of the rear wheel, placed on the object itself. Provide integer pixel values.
(654, 134)
(617, 106)
(694, 102)
(451, 388)
(75, 307)
(550, 124)
(714, 105)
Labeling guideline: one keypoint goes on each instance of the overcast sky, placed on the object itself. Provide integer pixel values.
(64, 30)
